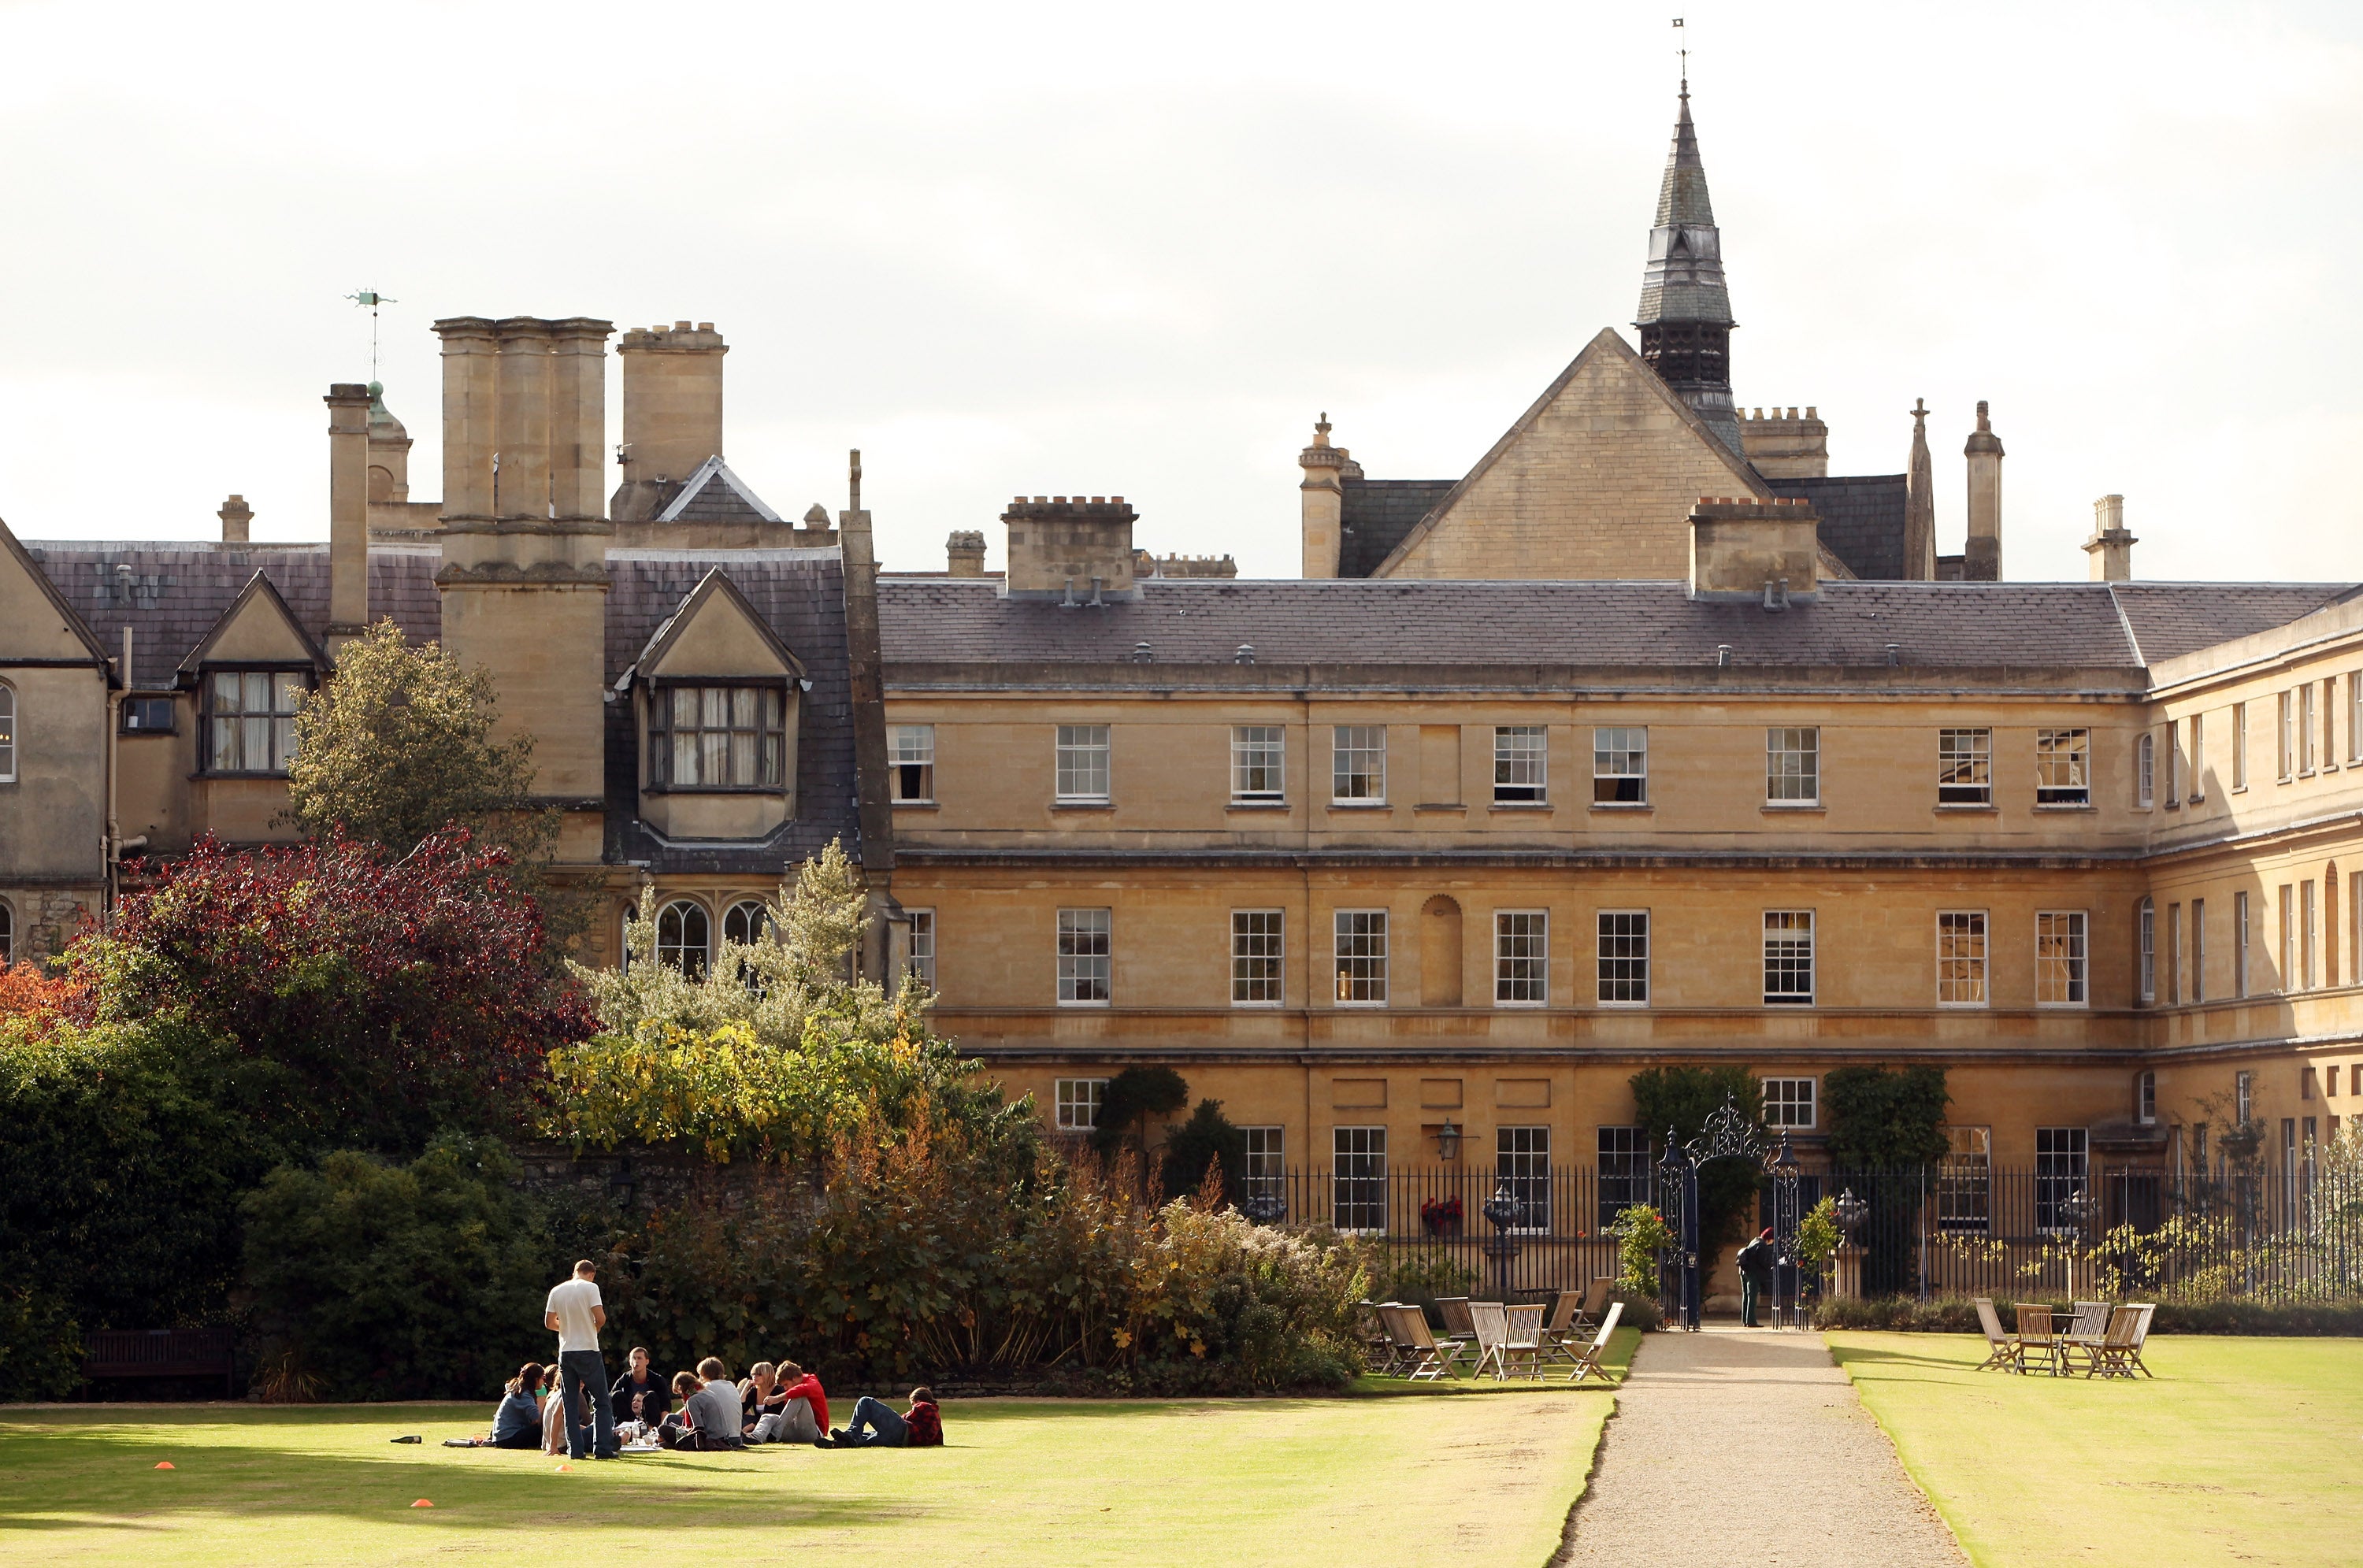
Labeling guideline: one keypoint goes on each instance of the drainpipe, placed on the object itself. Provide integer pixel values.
(112, 850)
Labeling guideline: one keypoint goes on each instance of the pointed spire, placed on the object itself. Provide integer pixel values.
(1920, 501)
(1685, 315)
(1681, 197)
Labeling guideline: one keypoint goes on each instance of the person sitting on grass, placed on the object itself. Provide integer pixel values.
(875, 1424)
(758, 1399)
(553, 1411)
(518, 1423)
(711, 1409)
(803, 1408)
(640, 1393)
(675, 1431)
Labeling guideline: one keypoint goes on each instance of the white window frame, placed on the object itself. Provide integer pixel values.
(1258, 978)
(2146, 771)
(2063, 769)
(1620, 765)
(2146, 933)
(1622, 979)
(1964, 766)
(751, 916)
(1521, 765)
(8, 733)
(2198, 950)
(1965, 1181)
(2355, 716)
(2244, 1096)
(1783, 948)
(2174, 955)
(1086, 957)
(2145, 1098)
(2285, 724)
(2241, 940)
(1782, 1100)
(1964, 951)
(1521, 1163)
(1358, 765)
(2305, 706)
(921, 959)
(1259, 764)
(1082, 756)
(1077, 1103)
(911, 764)
(692, 959)
(1521, 958)
(2198, 790)
(1266, 1171)
(2285, 906)
(2239, 746)
(1366, 931)
(2070, 968)
(2309, 913)
(1358, 1180)
(1793, 765)
(2062, 1171)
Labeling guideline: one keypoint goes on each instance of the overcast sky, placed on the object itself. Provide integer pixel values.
(1125, 250)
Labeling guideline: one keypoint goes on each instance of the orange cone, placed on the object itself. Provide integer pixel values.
(566, 1467)
(422, 1503)
(164, 1465)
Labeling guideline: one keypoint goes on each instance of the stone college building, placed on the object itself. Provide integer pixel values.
(1645, 741)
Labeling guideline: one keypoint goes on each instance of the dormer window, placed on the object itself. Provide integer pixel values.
(251, 719)
(717, 736)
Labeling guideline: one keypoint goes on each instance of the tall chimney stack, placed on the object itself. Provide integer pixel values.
(964, 553)
(1981, 556)
(2109, 550)
(236, 517)
(349, 404)
(672, 411)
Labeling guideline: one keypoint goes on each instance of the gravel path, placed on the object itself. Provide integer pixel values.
(1750, 1444)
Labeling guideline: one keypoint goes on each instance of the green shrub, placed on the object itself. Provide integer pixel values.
(1958, 1315)
(1206, 1141)
(416, 1281)
(1419, 1278)
(40, 1347)
(1642, 1234)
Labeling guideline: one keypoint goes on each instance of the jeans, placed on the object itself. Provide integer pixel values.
(793, 1424)
(1749, 1292)
(583, 1372)
(875, 1425)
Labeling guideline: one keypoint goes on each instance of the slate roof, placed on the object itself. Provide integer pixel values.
(1375, 515)
(715, 494)
(1862, 519)
(800, 595)
(174, 593)
(2027, 625)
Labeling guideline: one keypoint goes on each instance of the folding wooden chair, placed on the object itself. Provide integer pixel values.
(1596, 1302)
(1560, 1333)
(1587, 1360)
(2147, 1309)
(2083, 1334)
(1524, 1343)
(1454, 1310)
(2112, 1357)
(1429, 1361)
(1492, 1321)
(2001, 1351)
(1378, 1337)
(2035, 1338)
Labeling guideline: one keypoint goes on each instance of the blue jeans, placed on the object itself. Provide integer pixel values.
(875, 1425)
(581, 1372)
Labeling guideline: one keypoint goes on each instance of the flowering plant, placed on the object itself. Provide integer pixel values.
(1441, 1213)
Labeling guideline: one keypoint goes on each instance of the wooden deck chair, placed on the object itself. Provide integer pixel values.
(1596, 1302)
(2035, 1339)
(2001, 1352)
(1524, 1343)
(1454, 1310)
(2147, 1309)
(1560, 1334)
(1492, 1321)
(2113, 1357)
(1378, 1335)
(1428, 1360)
(2081, 1338)
(1588, 1359)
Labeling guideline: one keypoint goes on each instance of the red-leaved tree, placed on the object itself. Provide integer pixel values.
(370, 1000)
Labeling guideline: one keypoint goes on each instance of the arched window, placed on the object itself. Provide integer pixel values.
(745, 921)
(8, 736)
(8, 927)
(685, 937)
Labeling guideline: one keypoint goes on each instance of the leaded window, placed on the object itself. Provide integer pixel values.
(717, 737)
(251, 719)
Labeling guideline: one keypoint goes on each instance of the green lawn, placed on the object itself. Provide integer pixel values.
(2243, 1450)
(1480, 1479)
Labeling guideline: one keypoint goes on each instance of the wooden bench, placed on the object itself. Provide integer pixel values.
(159, 1352)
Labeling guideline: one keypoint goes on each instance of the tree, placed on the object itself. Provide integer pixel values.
(1131, 1098)
(399, 746)
(366, 999)
(1886, 1121)
(1680, 1100)
(1208, 1141)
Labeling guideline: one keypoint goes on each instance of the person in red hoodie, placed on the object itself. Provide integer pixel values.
(795, 1384)
(876, 1425)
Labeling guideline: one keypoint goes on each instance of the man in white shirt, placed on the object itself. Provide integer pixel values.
(575, 1312)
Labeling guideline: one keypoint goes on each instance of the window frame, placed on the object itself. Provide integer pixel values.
(908, 765)
(2060, 1174)
(2198, 950)
(1526, 1173)
(1621, 1158)
(1264, 1171)
(2285, 730)
(1601, 959)
(1072, 769)
(8, 933)
(753, 925)
(919, 961)
(1247, 741)
(138, 702)
(1340, 749)
(1786, 1122)
(681, 949)
(1965, 750)
(1277, 979)
(1965, 1181)
(2066, 756)
(1341, 977)
(1530, 753)
(1366, 1198)
(2146, 948)
(1079, 968)
(2079, 974)
(1615, 764)
(9, 732)
(2146, 771)
(1507, 976)
(1067, 1098)
(769, 746)
(2242, 938)
(2239, 746)
(274, 672)
(1980, 974)
(1807, 750)
(1812, 977)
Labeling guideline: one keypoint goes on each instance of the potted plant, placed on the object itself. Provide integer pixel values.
(1441, 1216)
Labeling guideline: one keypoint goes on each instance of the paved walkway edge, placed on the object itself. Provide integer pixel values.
(1599, 1451)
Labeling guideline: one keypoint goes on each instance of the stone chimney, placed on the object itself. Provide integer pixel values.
(1920, 501)
(236, 517)
(672, 411)
(525, 417)
(1785, 447)
(1744, 548)
(964, 553)
(1981, 556)
(2109, 550)
(1327, 468)
(349, 404)
(1075, 551)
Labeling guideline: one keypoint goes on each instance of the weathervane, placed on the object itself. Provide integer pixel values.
(1685, 56)
(373, 299)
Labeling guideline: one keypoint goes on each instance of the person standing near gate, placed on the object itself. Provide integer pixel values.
(1756, 1261)
(575, 1311)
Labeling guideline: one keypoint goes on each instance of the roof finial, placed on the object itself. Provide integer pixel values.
(853, 481)
(1919, 414)
(1685, 56)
